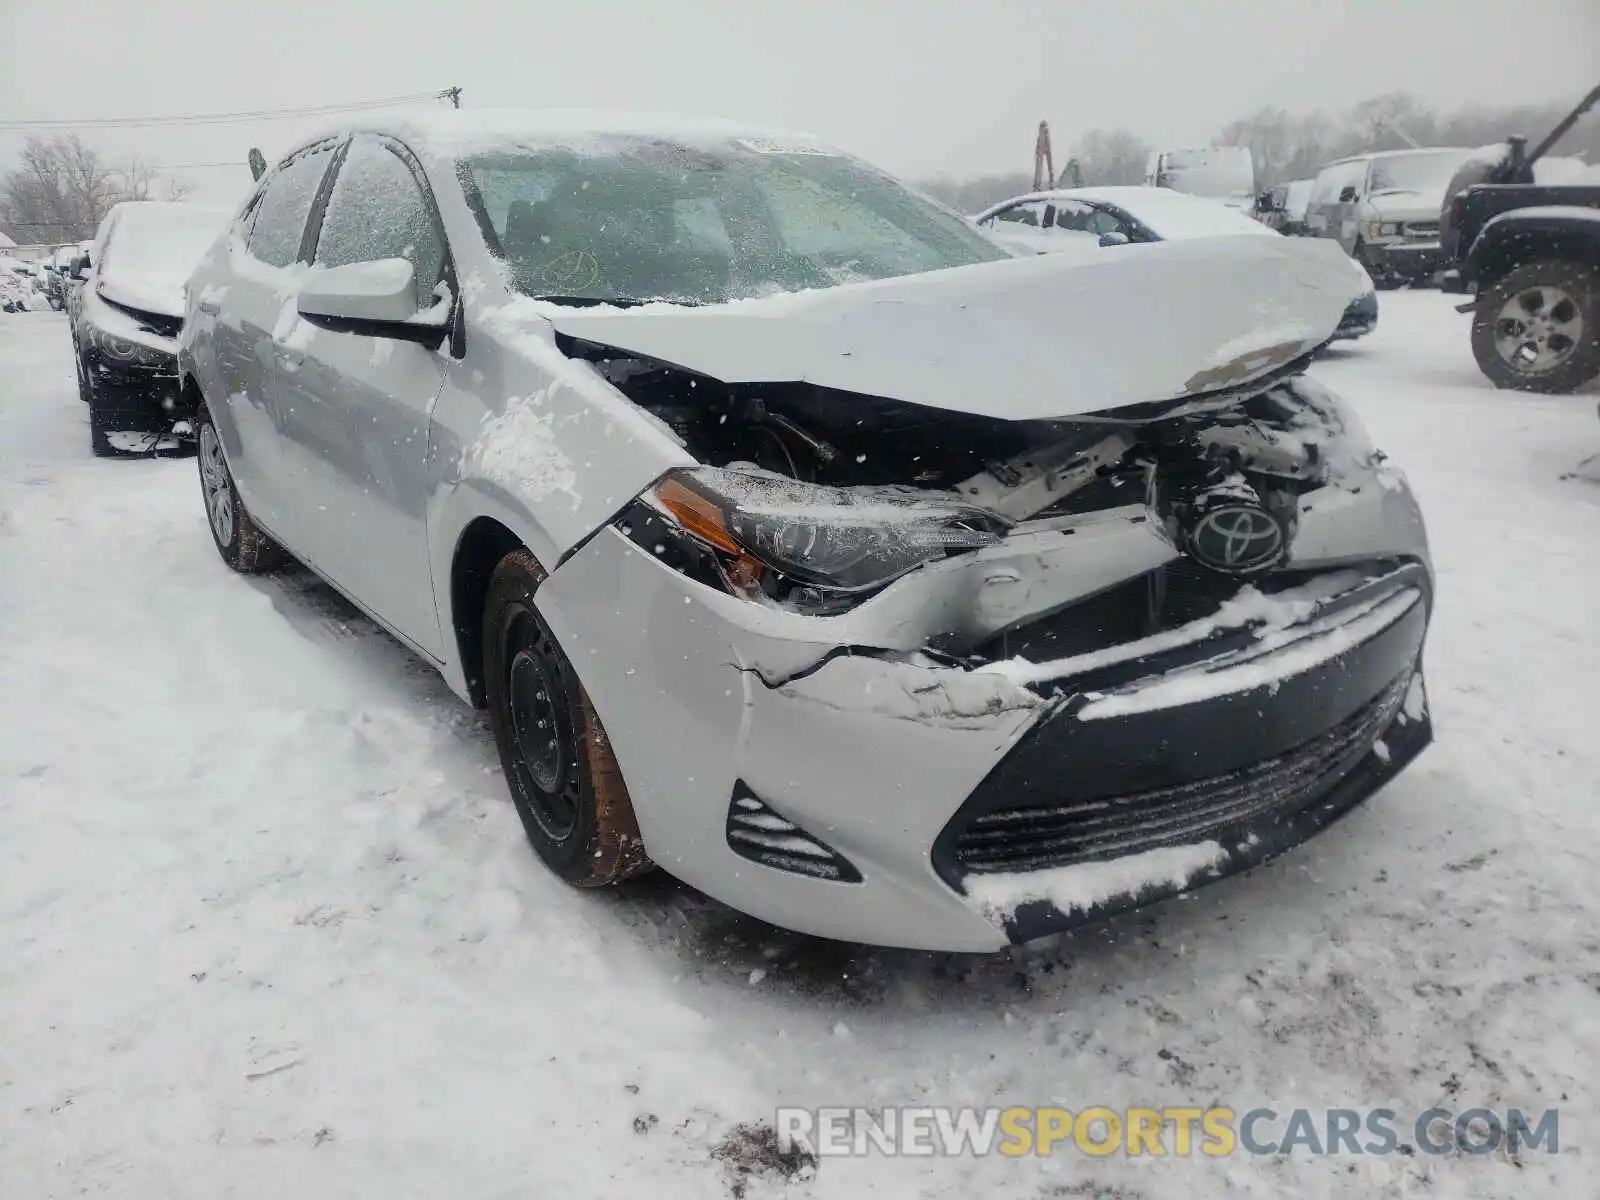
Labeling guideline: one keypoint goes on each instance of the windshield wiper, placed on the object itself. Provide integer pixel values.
(618, 301)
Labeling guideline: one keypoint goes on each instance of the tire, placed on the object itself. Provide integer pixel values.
(1382, 280)
(567, 786)
(83, 381)
(1538, 328)
(239, 540)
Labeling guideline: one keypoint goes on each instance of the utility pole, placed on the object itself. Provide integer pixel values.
(455, 96)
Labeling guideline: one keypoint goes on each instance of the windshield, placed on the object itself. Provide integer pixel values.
(1415, 172)
(638, 219)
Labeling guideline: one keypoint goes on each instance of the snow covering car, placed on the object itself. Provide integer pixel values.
(1084, 219)
(126, 316)
(1384, 209)
(16, 285)
(798, 539)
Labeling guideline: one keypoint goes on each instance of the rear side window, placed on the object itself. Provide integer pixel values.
(377, 210)
(280, 217)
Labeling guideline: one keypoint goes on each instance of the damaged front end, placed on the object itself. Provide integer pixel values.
(979, 661)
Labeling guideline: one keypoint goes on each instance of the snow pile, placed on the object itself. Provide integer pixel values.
(1291, 653)
(1248, 606)
(1079, 888)
(942, 696)
(153, 248)
(517, 449)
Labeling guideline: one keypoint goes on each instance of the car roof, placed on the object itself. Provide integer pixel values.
(452, 132)
(1350, 158)
(1121, 195)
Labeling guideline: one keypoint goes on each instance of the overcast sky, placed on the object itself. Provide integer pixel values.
(922, 87)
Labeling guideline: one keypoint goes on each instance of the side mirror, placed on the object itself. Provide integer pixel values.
(1347, 193)
(1264, 203)
(80, 267)
(377, 299)
(1113, 239)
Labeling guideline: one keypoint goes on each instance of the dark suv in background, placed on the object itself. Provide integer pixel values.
(1530, 253)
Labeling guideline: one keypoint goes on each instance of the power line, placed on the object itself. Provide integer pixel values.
(233, 118)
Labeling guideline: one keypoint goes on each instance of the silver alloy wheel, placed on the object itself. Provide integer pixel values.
(217, 484)
(1538, 329)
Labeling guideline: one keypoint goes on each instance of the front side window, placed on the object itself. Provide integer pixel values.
(634, 219)
(1029, 212)
(377, 210)
(1074, 216)
(1333, 180)
(280, 218)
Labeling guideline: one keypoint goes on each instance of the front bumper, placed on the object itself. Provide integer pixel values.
(1360, 319)
(139, 398)
(885, 757)
(1406, 260)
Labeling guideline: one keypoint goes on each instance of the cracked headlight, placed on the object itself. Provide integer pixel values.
(782, 538)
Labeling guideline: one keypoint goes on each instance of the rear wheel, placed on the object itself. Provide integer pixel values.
(1536, 329)
(557, 760)
(239, 540)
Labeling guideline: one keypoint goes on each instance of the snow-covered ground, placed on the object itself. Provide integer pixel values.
(268, 924)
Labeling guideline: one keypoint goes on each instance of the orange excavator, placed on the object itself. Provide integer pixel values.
(1044, 164)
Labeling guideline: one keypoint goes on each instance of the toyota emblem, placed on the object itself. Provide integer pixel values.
(1237, 539)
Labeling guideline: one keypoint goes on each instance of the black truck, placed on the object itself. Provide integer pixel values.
(1530, 254)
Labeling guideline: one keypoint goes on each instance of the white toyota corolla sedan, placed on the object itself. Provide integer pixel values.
(803, 543)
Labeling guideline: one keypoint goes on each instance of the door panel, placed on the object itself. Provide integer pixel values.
(261, 267)
(355, 409)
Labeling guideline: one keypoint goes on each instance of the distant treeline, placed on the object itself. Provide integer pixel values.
(1288, 146)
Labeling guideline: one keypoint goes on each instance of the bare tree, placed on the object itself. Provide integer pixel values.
(62, 188)
(972, 196)
(1111, 156)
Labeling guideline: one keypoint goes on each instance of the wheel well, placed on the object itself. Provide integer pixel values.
(482, 545)
(1500, 256)
(190, 398)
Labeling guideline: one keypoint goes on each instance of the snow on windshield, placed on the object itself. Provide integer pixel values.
(1425, 171)
(633, 218)
(162, 240)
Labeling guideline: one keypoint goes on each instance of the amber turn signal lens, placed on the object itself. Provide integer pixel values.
(696, 514)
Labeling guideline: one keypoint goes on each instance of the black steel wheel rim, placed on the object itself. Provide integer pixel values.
(542, 730)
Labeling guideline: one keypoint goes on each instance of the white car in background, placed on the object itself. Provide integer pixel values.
(1089, 220)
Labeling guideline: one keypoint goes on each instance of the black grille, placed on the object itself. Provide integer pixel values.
(757, 833)
(1034, 838)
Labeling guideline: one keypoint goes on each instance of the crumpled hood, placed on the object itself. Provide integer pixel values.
(1018, 339)
(152, 293)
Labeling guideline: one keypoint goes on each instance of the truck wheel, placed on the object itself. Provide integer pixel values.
(1382, 280)
(1536, 329)
(557, 760)
(239, 540)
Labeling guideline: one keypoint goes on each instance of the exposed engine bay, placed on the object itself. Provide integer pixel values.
(1222, 475)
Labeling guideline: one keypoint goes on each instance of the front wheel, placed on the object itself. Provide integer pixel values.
(239, 540)
(1382, 279)
(557, 760)
(1536, 329)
